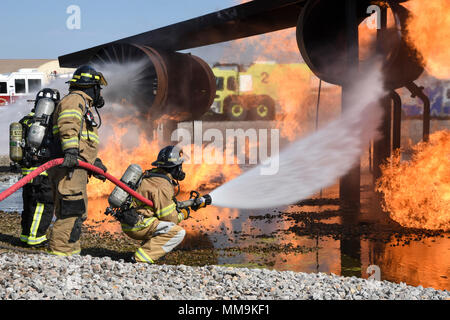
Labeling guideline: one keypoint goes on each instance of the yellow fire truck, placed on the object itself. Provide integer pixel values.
(253, 94)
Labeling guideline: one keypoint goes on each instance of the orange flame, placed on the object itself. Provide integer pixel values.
(429, 32)
(288, 79)
(417, 192)
(117, 157)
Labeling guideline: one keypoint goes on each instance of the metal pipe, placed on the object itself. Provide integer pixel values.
(418, 92)
(382, 147)
(397, 120)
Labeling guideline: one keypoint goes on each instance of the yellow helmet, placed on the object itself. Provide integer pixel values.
(87, 76)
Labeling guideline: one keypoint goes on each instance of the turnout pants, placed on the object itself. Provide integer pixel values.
(70, 196)
(38, 209)
(159, 238)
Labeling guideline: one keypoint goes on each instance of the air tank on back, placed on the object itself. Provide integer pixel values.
(131, 177)
(16, 142)
(42, 116)
(159, 83)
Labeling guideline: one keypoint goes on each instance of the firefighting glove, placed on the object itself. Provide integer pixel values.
(99, 164)
(129, 217)
(185, 212)
(70, 158)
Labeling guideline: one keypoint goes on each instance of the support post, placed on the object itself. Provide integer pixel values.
(382, 147)
(397, 120)
(349, 185)
(417, 91)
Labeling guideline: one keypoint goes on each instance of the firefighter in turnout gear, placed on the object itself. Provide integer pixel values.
(37, 195)
(75, 131)
(157, 226)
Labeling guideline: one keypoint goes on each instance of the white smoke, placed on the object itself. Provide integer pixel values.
(16, 111)
(121, 79)
(124, 80)
(314, 162)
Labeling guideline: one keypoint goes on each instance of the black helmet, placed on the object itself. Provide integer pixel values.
(48, 93)
(87, 76)
(169, 157)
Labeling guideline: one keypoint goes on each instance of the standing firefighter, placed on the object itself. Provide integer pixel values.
(156, 226)
(37, 194)
(75, 130)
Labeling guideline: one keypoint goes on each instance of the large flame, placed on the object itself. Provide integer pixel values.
(128, 143)
(417, 192)
(290, 82)
(429, 32)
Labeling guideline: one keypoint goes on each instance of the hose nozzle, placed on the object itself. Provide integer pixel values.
(196, 201)
(201, 201)
(208, 199)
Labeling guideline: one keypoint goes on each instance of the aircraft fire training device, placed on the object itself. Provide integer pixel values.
(327, 38)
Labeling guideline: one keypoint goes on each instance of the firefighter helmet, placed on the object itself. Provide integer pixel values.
(87, 76)
(48, 93)
(168, 157)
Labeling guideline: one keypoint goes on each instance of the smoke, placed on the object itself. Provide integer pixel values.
(124, 80)
(315, 161)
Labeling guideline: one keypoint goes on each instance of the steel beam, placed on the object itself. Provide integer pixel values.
(245, 20)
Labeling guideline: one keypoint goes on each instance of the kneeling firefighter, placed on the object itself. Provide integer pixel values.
(76, 135)
(156, 226)
(34, 133)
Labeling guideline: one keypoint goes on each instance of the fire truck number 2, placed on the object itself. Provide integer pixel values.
(264, 77)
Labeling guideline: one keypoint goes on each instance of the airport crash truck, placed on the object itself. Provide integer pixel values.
(20, 84)
(252, 94)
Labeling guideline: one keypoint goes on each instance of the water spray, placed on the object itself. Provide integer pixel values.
(313, 162)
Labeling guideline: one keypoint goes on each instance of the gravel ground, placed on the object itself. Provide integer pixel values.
(4, 160)
(42, 276)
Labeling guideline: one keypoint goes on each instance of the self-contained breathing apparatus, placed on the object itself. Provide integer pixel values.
(31, 140)
(120, 201)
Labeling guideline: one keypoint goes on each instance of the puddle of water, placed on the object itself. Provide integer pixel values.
(423, 262)
(14, 202)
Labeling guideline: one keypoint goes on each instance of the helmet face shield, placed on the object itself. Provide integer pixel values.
(101, 79)
(168, 157)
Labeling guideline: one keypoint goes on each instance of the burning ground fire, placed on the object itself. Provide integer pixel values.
(417, 192)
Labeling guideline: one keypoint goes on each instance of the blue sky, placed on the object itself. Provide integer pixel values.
(37, 29)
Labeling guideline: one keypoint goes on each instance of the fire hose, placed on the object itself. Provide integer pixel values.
(52, 163)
